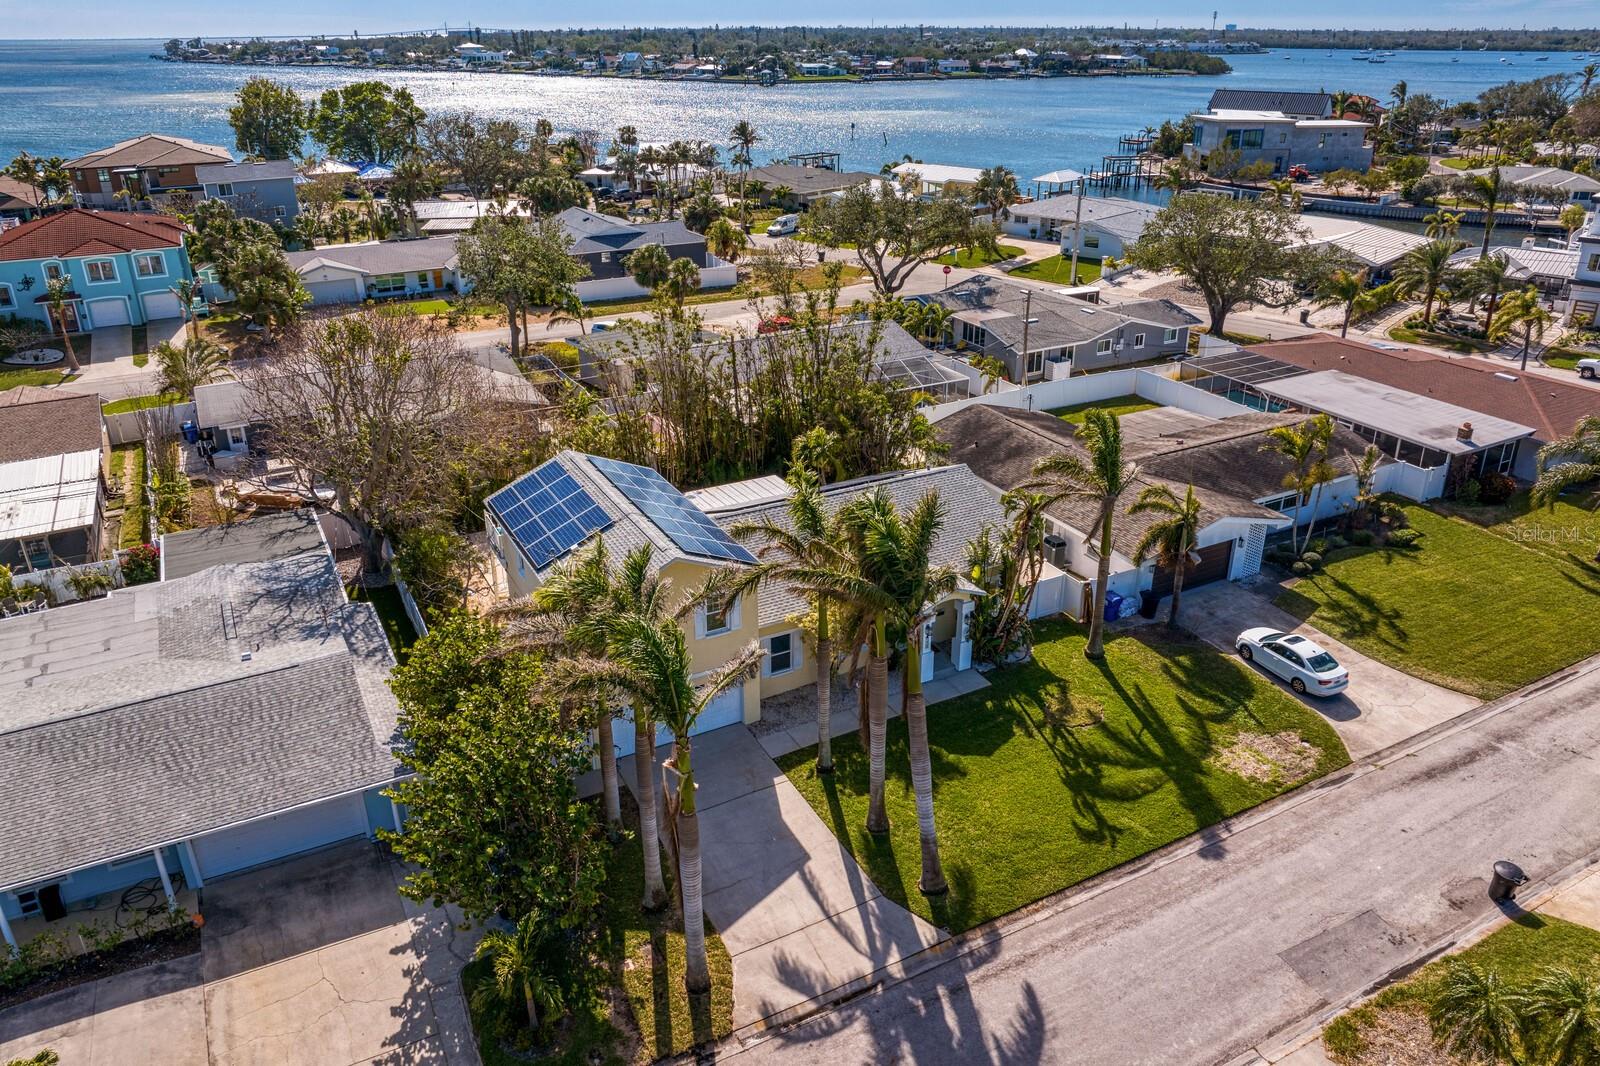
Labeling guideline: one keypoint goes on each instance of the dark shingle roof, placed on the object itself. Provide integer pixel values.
(255, 540)
(1269, 100)
(591, 232)
(36, 422)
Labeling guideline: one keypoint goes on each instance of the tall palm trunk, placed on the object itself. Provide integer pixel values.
(932, 881)
(877, 725)
(824, 691)
(1097, 624)
(644, 750)
(697, 971)
(608, 769)
(1177, 590)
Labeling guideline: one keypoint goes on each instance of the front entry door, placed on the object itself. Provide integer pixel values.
(69, 311)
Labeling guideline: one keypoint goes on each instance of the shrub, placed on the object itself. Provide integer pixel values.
(1300, 569)
(1392, 515)
(1318, 545)
(1361, 537)
(141, 565)
(1469, 492)
(1496, 488)
(1312, 559)
(1404, 538)
(86, 584)
(1335, 542)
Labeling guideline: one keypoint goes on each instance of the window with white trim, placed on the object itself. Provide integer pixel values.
(1170, 336)
(715, 620)
(150, 265)
(1282, 504)
(100, 271)
(387, 284)
(1138, 340)
(783, 654)
(224, 188)
(1091, 240)
(54, 272)
(7, 300)
(1103, 346)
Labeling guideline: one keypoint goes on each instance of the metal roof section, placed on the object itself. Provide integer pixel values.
(750, 493)
(49, 494)
(1407, 415)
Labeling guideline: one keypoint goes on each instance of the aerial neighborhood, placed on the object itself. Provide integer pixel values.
(485, 590)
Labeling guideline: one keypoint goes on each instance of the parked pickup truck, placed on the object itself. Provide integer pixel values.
(1589, 368)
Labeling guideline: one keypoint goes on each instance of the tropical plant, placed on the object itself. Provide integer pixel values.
(1476, 1015)
(181, 368)
(649, 265)
(1101, 477)
(1366, 472)
(1425, 269)
(1443, 223)
(1489, 277)
(992, 370)
(996, 189)
(519, 962)
(742, 140)
(1568, 461)
(682, 282)
(1523, 316)
(1346, 289)
(58, 295)
(1306, 447)
(1484, 191)
(725, 240)
(1173, 538)
(1564, 1006)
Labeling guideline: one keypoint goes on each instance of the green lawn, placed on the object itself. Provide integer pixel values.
(12, 377)
(1518, 953)
(1484, 609)
(1566, 358)
(392, 613)
(1117, 405)
(139, 403)
(1455, 163)
(131, 456)
(1064, 768)
(1058, 270)
(1463, 345)
(971, 259)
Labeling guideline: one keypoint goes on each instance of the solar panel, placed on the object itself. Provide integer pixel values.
(548, 513)
(671, 511)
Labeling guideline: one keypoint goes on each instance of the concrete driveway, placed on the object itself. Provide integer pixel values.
(1382, 706)
(797, 914)
(317, 960)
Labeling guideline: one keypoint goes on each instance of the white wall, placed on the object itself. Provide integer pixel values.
(716, 275)
(123, 427)
(1415, 482)
(1102, 385)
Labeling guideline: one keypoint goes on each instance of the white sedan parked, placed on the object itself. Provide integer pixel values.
(1297, 660)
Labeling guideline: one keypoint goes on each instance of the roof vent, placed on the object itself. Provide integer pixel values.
(1503, 376)
(1031, 321)
(1088, 310)
(1464, 431)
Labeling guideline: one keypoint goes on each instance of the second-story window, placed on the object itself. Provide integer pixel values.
(100, 270)
(150, 265)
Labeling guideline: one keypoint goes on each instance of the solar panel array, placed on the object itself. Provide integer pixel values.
(548, 513)
(671, 511)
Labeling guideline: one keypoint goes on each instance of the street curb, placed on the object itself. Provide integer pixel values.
(993, 932)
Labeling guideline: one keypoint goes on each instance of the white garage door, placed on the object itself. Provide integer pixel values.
(281, 835)
(727, 709)
(161, 305)
(342, 291)
(108, 312)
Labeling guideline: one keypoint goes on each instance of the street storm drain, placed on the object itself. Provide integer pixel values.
(1350, 956)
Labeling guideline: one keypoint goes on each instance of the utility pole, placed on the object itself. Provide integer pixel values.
(1077, 233)
(1027, 317)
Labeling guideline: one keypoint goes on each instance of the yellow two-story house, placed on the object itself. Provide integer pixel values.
(543, 517)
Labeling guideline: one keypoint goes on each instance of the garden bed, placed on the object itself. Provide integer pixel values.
(155, 947)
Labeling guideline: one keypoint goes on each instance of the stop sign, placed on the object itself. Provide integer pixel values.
(947, 270)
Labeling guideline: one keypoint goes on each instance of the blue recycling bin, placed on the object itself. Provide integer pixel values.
(191, 432)
(1113, 606)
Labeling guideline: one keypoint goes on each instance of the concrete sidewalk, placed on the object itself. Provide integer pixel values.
(798, 915)
(1382, 705)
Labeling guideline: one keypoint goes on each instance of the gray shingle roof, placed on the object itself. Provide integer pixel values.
(1003, 309)
(273, 536)
(969, 506)
(135, 720)
(264, 170)
(382, 257)
(1125, 218)
(591, 232)
(808, 181)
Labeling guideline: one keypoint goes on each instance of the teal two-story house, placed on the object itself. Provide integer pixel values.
(122, 266)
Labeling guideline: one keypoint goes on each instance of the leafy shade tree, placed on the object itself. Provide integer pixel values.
(1345, 289)
(648, 660)
(268, 120)
(521, 265)
(1485, 192)
(1476, 1015)
(1233, 251)
(47, 178)
(388, 412)
(1101, 477)
(1173, 538)
(58, 296)
(893, 234)
(181, 368)
(494, 824)
(1523, 317)
(413, 180)
(487, 155)
(366, 120)
(1424, 270)
(1305, 446)
(1572, 218)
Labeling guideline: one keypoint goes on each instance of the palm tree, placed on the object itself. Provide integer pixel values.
(1343, 288)
(1568, 461)
(992, 369)
(1476, 1015)
(1521, 313)
(186, 290)
(996, 188)
(797, 553)
(182, 368)
(742, 139)
(517, 965)
(1483, 191)
(1588, 74)
(1101, 477)
(57, 295)
(899, 550)
(1398, 93)
(1442, 223)
(1342, 102)
(683, 280)
(1565, 1005)
(649, 661)
(1287, 193)
(1173, 538)
(1425, 269)
(568, 615)
(1306, 447)
(725, 240)
(1489, 277)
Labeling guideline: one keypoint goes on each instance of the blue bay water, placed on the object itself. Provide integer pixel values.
(67, 97)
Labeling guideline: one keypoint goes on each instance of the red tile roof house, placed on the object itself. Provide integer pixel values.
(122, 268)
(147, 167)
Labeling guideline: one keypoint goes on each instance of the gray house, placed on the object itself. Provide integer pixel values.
(262, 191)
(1106, 225)
(1040, 335)
(604, 242)
(1280, 128)
(806, 184)
(377, 270)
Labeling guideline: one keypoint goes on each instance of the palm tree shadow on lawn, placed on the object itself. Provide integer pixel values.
(1349, 611)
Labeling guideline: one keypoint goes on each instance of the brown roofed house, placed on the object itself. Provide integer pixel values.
(143, 167)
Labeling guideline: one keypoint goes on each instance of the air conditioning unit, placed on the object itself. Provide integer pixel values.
(1056, 551)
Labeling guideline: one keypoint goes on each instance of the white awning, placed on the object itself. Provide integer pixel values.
(1059, 177)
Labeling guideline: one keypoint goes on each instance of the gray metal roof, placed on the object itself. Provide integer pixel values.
(266, 170)
(254, 540)
(167, 710)
(969, 506)
(808, 181)
(1291, 103)
(380, 257)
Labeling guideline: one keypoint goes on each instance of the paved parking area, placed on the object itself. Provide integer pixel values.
(315, 961)
(1380, 707)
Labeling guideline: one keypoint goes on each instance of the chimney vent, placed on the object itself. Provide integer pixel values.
(1464, 431)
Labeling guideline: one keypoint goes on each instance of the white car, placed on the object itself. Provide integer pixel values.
(1306, 667)
(1589, 368)
(783, 225)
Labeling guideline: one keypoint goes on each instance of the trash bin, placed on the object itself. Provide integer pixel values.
(1149, 600)
(1508, 877)
(191, 432)
(1113, 606)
